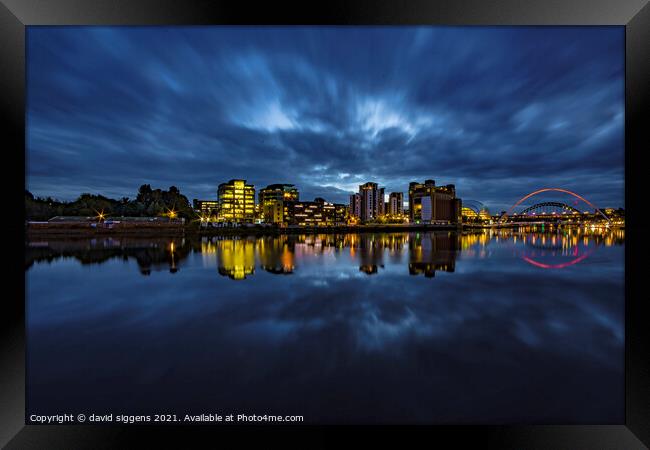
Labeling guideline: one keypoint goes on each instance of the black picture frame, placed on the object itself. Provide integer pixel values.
(15, 15)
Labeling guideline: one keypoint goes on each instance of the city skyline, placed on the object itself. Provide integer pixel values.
(497, 111)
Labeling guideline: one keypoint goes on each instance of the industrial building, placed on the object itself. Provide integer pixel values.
(429, 203)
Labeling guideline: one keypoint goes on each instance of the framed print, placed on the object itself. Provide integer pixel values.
(392, 220)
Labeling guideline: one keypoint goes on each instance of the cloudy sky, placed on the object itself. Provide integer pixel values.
(497, 111)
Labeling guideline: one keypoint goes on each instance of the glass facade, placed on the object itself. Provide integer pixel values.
(271, 196)
(286, 192)
(207, 208)
(236, 202)
(314, 214)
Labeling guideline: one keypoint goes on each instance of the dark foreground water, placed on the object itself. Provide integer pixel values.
(509, 327)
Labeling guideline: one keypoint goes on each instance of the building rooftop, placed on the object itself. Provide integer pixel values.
(279, 186)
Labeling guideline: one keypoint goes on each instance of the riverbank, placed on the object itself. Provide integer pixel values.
(41, 230)
(55, 230)
(45, 229)
(254, 230)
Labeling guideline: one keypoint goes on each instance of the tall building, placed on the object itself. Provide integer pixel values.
(395, 204)
(430, 203)
(236, 201)
(372, 201)
(355, 205)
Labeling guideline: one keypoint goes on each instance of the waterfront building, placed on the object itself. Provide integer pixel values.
(306, 214)
(288, 192)
(207, 208)
(484, 214)
(615, 215)
(355, 205)
(430, 203)
(236, 201)
(372, 201)
(333, 214)
(273, 211)
(469, 214)
(259, 213)
(341, 214)
(278, 192)
(395, 204)
(271, 198)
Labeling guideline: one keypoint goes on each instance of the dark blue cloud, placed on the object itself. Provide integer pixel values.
(499, 111)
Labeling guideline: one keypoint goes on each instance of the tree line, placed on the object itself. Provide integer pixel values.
(148, 202)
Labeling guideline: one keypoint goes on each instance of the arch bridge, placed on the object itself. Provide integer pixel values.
(549, 208)
(504, 217)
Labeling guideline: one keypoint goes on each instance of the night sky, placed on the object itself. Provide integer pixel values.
(497, 111)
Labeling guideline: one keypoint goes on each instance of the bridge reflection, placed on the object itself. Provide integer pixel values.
(420, 253)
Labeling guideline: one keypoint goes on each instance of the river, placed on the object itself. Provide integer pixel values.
(509, 326)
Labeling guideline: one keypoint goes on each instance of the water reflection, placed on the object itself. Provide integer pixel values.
(236, 258)
(151, 254)
(343, 328)
(277, 255)
(422, 253)
(431, 252)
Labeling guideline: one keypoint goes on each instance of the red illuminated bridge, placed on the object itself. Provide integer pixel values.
(541, 206)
